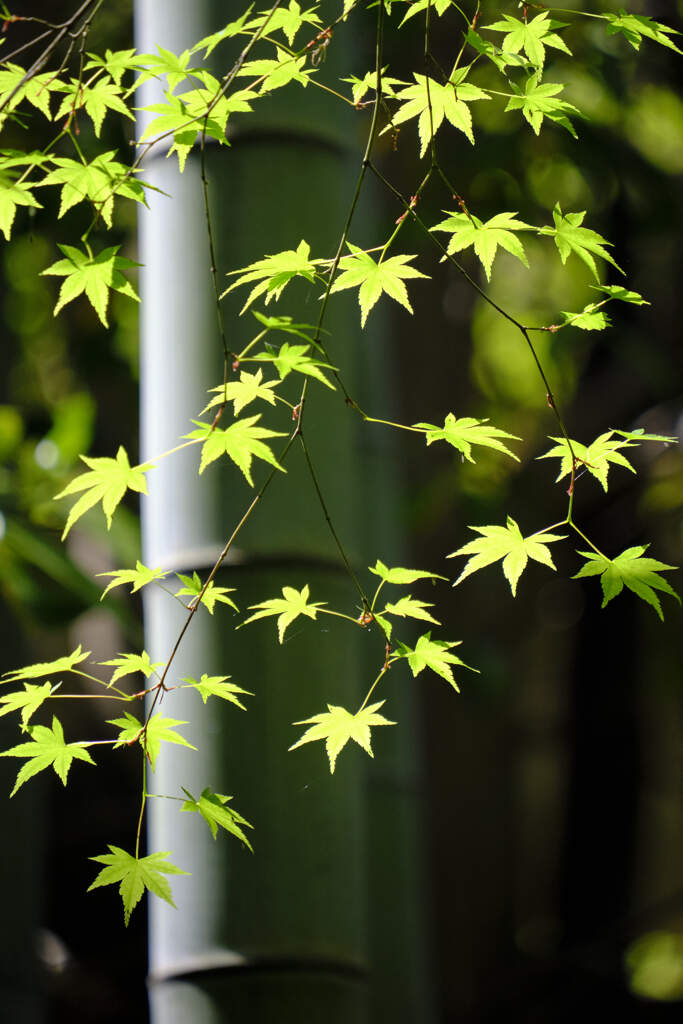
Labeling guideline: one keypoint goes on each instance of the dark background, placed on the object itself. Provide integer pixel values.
(551, 806)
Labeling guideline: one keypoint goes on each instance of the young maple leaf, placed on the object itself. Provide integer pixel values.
(140, 577)
(400, 575)
(464, 432)
(47, 747)
(106, 480)
(531, 36)
(215, 812)
(97, 182)
(537, 101)
(589, 319)
(375, 278)
(176, 67)
(431, 102)
(217, 686)
(433, 654)
(506, 542)
(193, 588)
(159, 730)
(293, 359)
(290, 606)
(636, 27)
(439, 6)
(173, 117)
(128, 664)
(94, 275)
(360, 86)
(486, 236)
(596, 457)
(115, 62)
(278, 72)
(412, 608)
(96, 98)
(35, 91)
(641, 575)
(242, 441)
(135, 875)
(500, 58)
(13, 194)
(27, 701)
(570, 237)
(275, 272)
(48, 668)
(209, 43)
(241, 392)
(286, 19)
(337, 726)
(616, 291)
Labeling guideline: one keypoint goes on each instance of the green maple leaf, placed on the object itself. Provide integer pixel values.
(284, 323)
(215, 812)
(275, 272)
(596, 457)
(570, 237)
(464, 432)
(537, 101)
(636, 27)
(208, 97)
(500, 58)
(175, 118)
(360, 86)
(115, 62)
(505, 542)
(128, 664)
(433, 654)
(212, 594)
(289, 607)
(486, 237)
(94, 275)
(431, 102)
(209, 43)
(35, 91)
(176, 67)
(439, 6)
(641, 575)
(400, 575)
(640, 435)
(293, 359)
(375, 278)
(531, 36)
(48, 668)
(12, 195)
(278, 72)
(337, 726)
(106, 480)
(27, 701)
(589, 319)
(139, 577)
(96, 98)
(242, 441)
(412, 608)
(135, 875)
(159, 730)
(241, 392)
(47, 748)
(217, 686)
(97, 182)
(616, 291)
(286, 19)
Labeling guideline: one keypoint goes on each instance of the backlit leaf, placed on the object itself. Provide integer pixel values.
(46, 749)
(464, 432)
(289, 607)
(506, 542)
(630, 568)
(106, 480)
(135, 874)
(214, 809)
(337, 726)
